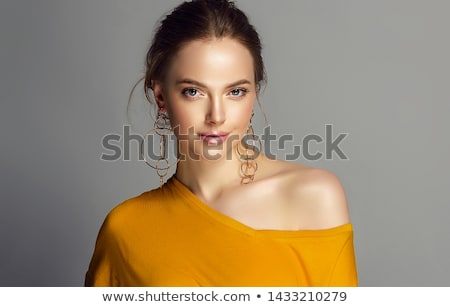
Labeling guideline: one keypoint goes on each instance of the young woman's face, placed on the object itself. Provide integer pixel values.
(209, 92)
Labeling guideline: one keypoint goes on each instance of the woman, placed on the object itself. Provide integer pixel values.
(229, 216)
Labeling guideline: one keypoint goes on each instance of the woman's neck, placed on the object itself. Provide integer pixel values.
(208, 179)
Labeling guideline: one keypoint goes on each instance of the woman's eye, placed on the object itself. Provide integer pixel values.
(190, 92)
(238, 92)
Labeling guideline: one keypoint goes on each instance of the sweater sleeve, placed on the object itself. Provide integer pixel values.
(101, 268)
(344, 273)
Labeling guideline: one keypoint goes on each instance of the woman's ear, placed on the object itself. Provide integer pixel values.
(158, 92)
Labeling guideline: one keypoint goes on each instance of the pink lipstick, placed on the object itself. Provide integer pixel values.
(213, 138)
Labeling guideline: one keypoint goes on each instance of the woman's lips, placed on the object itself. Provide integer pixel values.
(213, 138)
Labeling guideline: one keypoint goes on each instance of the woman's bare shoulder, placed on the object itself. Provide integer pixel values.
(315, 196)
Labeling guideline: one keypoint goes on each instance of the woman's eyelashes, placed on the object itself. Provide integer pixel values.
(193, 93)
(238, 92)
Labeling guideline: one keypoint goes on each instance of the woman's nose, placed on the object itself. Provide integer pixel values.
(216, 112)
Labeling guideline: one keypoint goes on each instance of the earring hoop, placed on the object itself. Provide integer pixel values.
(248, 154)
(161, 128)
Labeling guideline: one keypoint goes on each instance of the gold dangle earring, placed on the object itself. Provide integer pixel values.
(162, 128)
(248, 151)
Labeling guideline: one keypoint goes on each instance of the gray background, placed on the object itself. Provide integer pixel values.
(377, 70)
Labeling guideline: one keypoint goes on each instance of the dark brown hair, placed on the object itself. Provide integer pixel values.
(196, 20)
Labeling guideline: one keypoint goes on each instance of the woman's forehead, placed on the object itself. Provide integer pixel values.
(213, 61)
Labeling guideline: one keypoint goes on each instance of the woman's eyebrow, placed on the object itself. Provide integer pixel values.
(240, 82)
(191, 82)
(199, 84)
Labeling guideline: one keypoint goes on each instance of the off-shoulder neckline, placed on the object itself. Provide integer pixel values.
(197, 204)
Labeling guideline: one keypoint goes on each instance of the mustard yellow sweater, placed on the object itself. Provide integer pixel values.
(169, 237)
